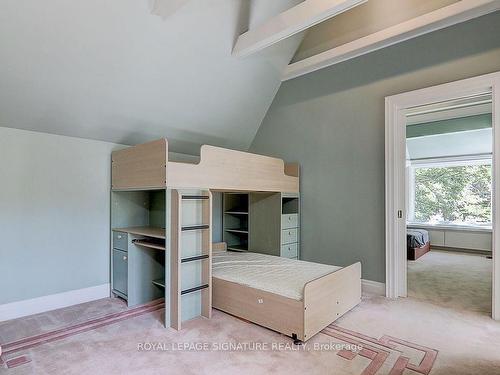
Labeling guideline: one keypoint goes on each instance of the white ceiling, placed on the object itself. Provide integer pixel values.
(112, 70)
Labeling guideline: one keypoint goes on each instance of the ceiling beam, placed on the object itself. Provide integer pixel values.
(290, 22)
(460, 11)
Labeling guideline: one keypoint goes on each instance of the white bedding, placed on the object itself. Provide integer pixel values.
(282, 276)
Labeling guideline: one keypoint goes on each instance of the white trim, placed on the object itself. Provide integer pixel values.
(449, 227)
(372, 287)
(37, 305)
(460, 11)
(290, 22)
(395, 162)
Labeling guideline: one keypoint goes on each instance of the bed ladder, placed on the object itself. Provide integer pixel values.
(191, 255)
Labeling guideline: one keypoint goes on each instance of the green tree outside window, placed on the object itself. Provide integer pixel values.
(456, 195)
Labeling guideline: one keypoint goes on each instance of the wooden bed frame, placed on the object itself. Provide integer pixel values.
(147, 166)
(325, 299)
(416, 252)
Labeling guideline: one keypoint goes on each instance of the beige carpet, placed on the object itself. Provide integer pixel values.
(456, 280)
(396, 336)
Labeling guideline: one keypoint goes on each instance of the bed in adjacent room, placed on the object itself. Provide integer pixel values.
(294, 297)
(417, 243)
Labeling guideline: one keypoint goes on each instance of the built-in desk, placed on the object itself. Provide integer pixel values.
(138, 261)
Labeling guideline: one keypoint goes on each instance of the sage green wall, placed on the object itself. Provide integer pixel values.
(332, 123)
(54, 213)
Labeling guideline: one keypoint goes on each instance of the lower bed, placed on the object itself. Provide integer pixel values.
(293, 297)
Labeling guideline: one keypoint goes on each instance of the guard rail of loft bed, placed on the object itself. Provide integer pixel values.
(147, 166)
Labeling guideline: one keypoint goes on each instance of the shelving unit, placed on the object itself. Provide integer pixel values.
(235, 221)
(262, 222)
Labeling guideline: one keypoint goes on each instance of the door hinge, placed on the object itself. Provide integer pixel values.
(400, 214)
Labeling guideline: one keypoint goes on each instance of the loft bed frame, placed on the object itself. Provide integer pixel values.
(147, 166)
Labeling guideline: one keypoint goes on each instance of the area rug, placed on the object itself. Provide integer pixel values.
(137, 335)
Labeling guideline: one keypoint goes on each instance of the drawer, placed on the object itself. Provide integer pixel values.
(120, 271)
(120, 240)
(289, 221)
(289, 235)
(290, 250)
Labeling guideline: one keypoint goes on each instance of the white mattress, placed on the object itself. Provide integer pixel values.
(282, 276)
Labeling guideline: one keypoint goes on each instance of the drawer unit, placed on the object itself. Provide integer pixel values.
(289, 250)
(289, 236)
(289, 221)
(120, 240)
(120, 272)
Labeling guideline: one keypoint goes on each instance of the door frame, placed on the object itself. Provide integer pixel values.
(395, 162)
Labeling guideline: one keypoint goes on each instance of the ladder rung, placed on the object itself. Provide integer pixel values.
(192, 259)
(195, 227)
(196, 288)
(195, 197)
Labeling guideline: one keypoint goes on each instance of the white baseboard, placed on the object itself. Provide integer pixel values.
(37, 305)
(373, 287)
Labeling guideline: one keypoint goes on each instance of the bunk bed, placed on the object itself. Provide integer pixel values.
(163, 205)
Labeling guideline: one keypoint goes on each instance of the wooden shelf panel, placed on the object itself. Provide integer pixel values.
(159, 282)
(237, 230)
(154, 232)
(152, 245)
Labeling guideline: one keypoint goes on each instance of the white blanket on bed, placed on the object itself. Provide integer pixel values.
(282, 276)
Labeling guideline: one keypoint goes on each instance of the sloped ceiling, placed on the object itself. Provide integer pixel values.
(121, 71)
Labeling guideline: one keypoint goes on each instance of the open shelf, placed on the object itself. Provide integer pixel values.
(150, 244)
(238, 247)
(159, 282)
(237, 230)
(236, 212)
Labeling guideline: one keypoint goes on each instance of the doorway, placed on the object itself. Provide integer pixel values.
(448, 203)
(397, 210)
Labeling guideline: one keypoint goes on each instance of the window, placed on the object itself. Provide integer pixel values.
(451, 193)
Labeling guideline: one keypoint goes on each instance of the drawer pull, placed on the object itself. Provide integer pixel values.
(124, 257)
(119, 236)
(289, 232)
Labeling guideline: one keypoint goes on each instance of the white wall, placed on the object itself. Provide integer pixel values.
(54, 214)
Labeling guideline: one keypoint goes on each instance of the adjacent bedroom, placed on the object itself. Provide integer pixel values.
(449, 203)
